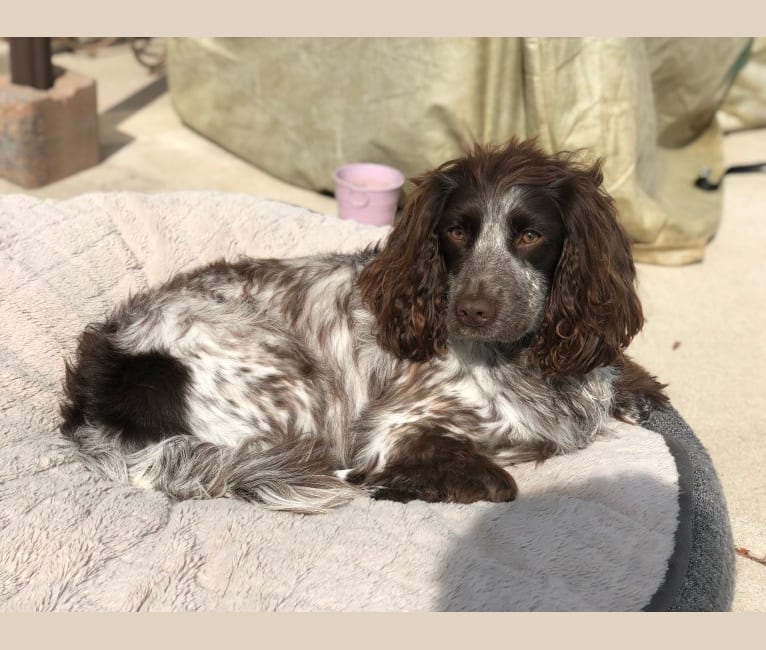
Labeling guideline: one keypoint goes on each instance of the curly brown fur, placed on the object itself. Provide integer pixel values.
(593, 309)
(405, 286)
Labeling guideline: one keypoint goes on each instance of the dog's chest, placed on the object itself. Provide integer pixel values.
(515, 408)
(501, 402)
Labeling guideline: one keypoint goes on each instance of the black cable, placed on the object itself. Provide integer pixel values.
(703, 183)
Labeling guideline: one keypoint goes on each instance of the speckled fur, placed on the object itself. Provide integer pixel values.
(288, 390)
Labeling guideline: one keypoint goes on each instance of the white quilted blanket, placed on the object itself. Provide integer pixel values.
(590, 531)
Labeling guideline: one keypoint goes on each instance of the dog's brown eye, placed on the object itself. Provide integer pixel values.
(457, 234)
(529, 237)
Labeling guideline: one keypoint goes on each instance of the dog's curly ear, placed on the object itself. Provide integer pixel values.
(405, 285)
(593, 309)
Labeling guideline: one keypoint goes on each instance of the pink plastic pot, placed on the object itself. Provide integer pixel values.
(368, 193)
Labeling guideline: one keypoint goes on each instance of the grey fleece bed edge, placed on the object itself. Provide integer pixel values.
(701, 573)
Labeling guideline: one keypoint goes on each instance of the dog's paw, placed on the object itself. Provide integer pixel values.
(466, 478)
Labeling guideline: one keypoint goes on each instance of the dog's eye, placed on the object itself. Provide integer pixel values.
(529, 237)
(457, 234)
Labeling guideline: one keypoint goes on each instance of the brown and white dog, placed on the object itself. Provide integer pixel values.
(489, 329)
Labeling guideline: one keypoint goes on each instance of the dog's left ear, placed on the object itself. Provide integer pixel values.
(593, 309)
(405, 285)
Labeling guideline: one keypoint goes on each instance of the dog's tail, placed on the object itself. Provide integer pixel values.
(291, 474)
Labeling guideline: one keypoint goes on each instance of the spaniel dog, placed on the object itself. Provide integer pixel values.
(488, 330)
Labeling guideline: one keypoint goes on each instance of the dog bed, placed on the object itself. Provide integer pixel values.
(636, 521)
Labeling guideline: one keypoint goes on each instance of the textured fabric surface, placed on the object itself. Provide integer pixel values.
(299, 108)
(593, 530)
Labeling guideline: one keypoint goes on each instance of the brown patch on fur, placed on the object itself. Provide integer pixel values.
(438, 468)
(637, 392)
(537, 452)
(295, 361)
(405, 285)
(293, 303)
(217, 272)
(593, 310)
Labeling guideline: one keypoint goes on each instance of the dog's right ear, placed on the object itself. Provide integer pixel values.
(593, 310)
(405, 285)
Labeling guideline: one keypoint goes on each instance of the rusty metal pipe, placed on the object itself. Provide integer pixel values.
(31, 62)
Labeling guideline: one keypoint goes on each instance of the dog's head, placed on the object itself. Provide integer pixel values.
(508, 245)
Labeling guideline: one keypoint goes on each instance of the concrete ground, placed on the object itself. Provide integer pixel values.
(704, 332)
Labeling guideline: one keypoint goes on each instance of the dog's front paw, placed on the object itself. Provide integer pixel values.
(454, 473)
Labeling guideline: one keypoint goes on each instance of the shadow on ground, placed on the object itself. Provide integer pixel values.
(112, 139)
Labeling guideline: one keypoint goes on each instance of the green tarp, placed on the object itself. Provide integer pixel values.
(299, 108)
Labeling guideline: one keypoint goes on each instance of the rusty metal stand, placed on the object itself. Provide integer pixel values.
(31, 62)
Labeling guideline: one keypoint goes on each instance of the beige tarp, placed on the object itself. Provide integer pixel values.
(299, 108)
(745, 105)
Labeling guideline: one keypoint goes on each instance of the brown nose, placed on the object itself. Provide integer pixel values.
(476, 311)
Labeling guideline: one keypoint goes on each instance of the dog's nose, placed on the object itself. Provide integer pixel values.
(476, 311)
